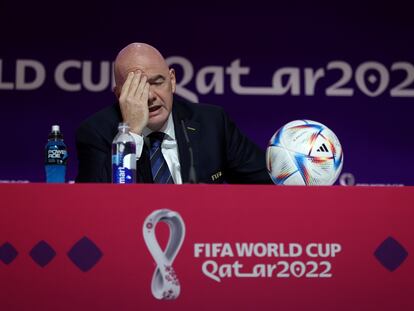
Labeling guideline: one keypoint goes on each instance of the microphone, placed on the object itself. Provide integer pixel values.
(192, 176)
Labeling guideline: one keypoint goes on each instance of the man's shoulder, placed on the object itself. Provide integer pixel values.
(104, 121)
(197, 110)
(108, 114)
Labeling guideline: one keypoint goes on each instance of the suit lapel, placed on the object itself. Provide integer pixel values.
(193, 130)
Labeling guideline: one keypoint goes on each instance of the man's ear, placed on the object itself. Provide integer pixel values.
(173, 80)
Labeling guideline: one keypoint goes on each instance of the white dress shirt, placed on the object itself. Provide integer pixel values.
(169, 148)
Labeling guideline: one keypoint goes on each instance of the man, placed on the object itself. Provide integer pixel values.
(145, 87)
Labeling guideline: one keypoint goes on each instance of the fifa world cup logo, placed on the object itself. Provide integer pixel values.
(165, 284)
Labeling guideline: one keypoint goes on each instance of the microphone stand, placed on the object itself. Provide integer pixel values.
(192, 176)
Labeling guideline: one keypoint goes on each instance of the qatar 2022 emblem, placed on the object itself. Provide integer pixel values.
(165, 284)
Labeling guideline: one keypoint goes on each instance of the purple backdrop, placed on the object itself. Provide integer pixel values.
(351, 68)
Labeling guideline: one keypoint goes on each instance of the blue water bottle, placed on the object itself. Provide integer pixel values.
(124, 160)
(56, 156)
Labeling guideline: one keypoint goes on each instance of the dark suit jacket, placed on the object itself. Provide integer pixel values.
(221, 152)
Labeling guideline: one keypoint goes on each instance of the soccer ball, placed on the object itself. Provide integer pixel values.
(304, 152)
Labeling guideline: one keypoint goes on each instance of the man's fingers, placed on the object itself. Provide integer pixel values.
(134, 84)
(125, 86)
(130, 86)
(140, 87)
(145, 93)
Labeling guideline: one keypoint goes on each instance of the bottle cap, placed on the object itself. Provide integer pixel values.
(55, 128)
(55, 133)
(123, 126)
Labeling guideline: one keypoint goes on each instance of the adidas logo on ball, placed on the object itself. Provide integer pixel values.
(322, 148)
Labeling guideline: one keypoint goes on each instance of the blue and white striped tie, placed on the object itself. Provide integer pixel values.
(159, 168)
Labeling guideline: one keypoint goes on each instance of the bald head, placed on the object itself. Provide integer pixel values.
(137, 56)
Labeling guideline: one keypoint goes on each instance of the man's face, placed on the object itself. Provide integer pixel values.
(162, 86)
(160, 98)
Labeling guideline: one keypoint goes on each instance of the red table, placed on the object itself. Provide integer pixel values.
(81, 247)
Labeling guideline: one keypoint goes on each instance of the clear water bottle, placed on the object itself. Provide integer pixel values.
(124, 159)
(56, 156)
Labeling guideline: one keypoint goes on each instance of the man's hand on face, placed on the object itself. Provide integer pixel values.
(134, 101)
